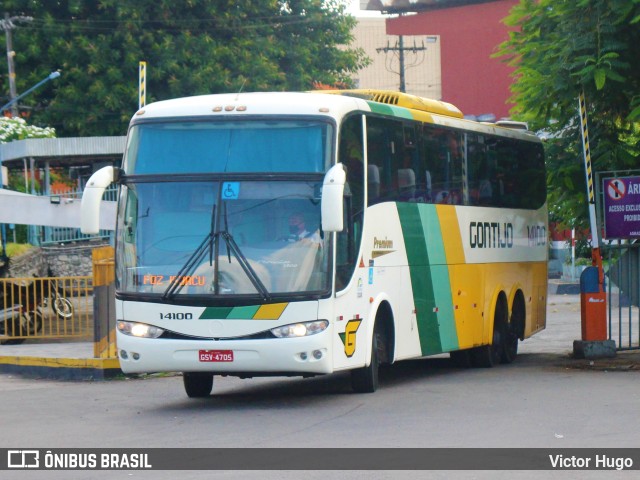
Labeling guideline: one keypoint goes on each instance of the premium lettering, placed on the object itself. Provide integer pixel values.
(377, 243)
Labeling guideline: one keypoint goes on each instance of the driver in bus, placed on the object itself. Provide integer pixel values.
(298, 230)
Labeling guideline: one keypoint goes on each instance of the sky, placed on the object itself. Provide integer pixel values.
(354, 9)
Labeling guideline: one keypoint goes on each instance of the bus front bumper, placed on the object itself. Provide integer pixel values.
(285, 356)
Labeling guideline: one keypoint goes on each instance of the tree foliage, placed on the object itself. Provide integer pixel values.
(191, 47)
(560, 48)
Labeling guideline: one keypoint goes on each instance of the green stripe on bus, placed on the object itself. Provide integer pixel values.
(215, 313)
(384, 109)
(434, 240)
(429, 278)
(421, 279)
(244, 313)
(444, 301)
(222, 313)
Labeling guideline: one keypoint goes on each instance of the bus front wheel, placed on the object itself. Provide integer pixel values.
(365, 379)
(197, 384)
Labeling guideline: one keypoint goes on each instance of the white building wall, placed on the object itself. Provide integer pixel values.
(422, 68)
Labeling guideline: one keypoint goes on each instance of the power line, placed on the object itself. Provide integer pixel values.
(400, 48)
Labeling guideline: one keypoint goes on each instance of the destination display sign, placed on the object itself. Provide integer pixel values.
(621, 207)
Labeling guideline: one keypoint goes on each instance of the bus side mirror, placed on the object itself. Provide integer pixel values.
(91, 198)
(332, 199)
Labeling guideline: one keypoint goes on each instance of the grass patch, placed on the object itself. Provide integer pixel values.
(17, 249)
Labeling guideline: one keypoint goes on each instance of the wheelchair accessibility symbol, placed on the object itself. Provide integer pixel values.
(230, 190)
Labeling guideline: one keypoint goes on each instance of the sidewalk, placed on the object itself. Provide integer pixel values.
(59, 360)
(75, 361)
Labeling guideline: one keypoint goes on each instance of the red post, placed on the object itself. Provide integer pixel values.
(593, 299)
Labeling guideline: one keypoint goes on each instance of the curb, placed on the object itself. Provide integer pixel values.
(61, 368)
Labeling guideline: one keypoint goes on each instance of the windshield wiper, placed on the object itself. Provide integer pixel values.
(232, 247)
(199, 253)
(194, 260)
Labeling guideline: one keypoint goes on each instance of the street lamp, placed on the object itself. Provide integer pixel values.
(51, 76)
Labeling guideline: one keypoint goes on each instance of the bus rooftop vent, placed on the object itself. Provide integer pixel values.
(401, 100)
(512, 124)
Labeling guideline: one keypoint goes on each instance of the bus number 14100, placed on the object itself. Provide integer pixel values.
(176, 316)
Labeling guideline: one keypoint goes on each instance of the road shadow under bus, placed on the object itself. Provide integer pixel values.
(231, 393)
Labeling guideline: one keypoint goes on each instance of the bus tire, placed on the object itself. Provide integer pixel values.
(197, 384)
(461, 358)
(365, 379)
(488, 356)
(512, 330)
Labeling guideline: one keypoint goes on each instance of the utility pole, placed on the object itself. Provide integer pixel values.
(400, 48)
(6, 24)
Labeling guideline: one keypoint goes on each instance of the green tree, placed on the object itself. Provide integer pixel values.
(191, 47)
(563, 47)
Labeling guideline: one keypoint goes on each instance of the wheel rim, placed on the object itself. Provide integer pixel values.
(63, 307)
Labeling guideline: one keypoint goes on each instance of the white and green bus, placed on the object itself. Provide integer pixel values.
(301, 234)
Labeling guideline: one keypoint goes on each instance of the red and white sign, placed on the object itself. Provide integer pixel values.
(616, 188)
(215, 355)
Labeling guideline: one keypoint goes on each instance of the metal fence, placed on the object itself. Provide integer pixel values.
(623, 274)
(50, 235)
(623, 293)
(46, 308)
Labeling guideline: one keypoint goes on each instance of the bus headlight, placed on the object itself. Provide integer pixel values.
(300, 329)
(141, 330)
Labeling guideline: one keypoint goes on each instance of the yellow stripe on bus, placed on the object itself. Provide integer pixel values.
(270, 312)
(453, 244)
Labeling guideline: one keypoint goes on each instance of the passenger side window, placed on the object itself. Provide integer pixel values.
(442, 153)
(393, 162)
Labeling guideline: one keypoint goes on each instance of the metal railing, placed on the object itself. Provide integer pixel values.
(51, 235)
(46, 308)
(623, 294)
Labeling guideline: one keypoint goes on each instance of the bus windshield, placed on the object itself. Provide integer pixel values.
(220, 147)
(222, 238)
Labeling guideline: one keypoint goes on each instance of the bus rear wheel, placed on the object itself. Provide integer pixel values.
(488, 356)
(197, 384)
(461, 358)
(513, 329)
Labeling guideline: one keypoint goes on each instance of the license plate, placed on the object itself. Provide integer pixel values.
(215, 355)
